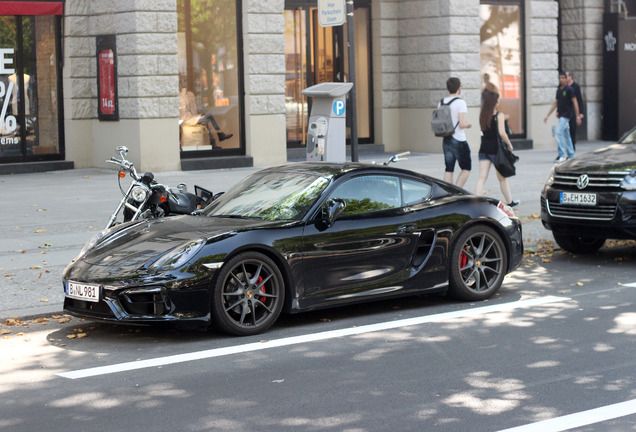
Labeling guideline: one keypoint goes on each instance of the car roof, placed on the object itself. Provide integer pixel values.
(332, 169)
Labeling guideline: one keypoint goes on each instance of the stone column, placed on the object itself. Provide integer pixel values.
(146, 32)
(542, 62)
(264, 57)
(421, 44)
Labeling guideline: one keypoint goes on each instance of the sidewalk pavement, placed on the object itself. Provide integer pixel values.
(48, 217)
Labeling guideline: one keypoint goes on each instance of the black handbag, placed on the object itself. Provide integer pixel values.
(505, 159)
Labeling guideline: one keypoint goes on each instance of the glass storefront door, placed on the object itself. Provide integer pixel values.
(316, 54)
(502, 58)
(30, 88)
(210, 84)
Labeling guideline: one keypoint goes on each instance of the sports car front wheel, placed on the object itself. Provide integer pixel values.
(478, 264)
(248, 295)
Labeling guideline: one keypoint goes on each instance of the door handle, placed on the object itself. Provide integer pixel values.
(406, 229)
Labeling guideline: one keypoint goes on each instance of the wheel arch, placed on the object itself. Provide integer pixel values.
(278, 259)
(490, 223)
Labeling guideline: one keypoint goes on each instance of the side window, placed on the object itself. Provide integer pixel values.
(415, 192)
(368, 194)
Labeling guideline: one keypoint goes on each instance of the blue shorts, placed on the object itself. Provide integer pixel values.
(456, 151)
(487, 156)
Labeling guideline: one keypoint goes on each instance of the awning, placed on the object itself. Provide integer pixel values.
(31, 8)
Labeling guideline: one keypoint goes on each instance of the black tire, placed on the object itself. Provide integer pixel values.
(248, 295)
(478, 264)
(577, 244)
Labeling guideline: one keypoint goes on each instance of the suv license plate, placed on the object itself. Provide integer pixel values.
(578, 198)
(84, 292)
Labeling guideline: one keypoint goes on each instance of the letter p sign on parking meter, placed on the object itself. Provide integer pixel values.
(339, 107)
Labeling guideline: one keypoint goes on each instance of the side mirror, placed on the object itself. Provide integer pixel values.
(334, 208)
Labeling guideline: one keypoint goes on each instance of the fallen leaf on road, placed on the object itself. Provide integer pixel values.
(579, 283)
(39, 231)
(43, 300)
(8, 275)
(35, 267)
(4, 331)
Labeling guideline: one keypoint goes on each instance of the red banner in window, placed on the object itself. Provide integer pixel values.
(31, 8)
(107, 82)
(107, 78)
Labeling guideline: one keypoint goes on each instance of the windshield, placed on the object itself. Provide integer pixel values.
(270, 196)
(629, 137)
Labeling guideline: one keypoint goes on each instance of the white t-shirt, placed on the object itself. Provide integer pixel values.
(458, 106)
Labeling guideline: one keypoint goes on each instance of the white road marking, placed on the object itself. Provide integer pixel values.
(633, 284)
(579, 419)
(257, 346)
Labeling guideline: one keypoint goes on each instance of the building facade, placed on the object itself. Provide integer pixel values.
(195, 84)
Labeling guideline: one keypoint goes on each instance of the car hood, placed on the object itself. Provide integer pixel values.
(133, 247)
(616, 157)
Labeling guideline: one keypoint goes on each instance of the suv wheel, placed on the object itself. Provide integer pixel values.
(578, 244)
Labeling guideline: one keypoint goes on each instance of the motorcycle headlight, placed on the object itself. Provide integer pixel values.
(629, 182)
(139, 193)
(178, 256)
(550, 179)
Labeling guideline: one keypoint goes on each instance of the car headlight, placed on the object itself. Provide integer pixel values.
(629, 182)
(95, 240)
(550, 179)
(178, 256)
(139, 193)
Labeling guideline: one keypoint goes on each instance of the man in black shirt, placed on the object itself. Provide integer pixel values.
(579, 99)
(567, 107)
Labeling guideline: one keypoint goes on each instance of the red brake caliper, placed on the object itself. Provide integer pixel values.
(262, 299)
(463, 259)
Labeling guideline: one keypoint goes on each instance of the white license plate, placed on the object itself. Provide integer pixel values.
(82, 291)
(578, 198)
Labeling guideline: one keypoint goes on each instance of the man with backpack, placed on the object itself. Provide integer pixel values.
(449, 121)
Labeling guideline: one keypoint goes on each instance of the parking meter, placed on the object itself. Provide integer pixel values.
(326, 135)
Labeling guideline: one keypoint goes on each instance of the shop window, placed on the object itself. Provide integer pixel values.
(209, 79)
(501, 56)
(29, 83)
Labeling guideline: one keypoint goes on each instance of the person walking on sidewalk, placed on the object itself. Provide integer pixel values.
(492, 124)
(579, 99)
(567, 106)
(456, 147)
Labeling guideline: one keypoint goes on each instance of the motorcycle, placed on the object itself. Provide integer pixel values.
(147, 199)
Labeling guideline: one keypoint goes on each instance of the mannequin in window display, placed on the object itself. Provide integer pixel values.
(189, 116)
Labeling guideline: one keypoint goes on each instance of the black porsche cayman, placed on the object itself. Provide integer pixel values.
(297, 237)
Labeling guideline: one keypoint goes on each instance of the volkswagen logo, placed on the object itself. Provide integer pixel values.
(583, 181)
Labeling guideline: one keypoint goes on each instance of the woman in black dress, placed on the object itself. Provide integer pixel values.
(492, 123)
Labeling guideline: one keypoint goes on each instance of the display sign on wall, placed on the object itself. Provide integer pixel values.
(108, 105)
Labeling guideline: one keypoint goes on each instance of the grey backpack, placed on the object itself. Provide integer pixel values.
(442, 122)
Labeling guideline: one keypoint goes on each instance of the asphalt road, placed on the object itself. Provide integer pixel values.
(552, 351)
(555, 343)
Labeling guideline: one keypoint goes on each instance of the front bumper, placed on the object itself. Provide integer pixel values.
(613, 216)
(144, 305)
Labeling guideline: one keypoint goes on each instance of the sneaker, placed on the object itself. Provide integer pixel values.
(560, 159)
(514, 203)
(570, 157)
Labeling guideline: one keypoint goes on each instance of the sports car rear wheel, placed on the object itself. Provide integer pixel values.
(248, 295)
(577, 244)
(478, 264)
